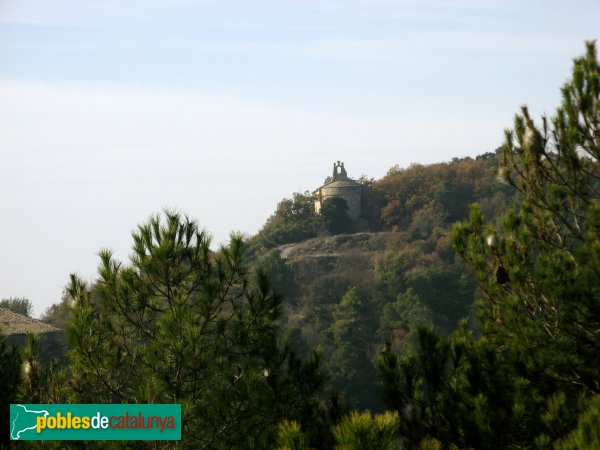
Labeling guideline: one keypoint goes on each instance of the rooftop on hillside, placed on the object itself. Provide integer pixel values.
(13, 323)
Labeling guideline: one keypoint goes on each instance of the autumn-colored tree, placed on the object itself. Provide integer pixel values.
(444, 190)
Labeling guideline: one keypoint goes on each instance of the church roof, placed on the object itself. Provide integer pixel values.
(342, 183)
(340, 178)
(14, 323)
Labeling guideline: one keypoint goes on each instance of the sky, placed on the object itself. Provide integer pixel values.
(111, 110)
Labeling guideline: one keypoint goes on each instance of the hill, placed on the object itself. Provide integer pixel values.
(387, 273)
(181, 323)
(392, 271)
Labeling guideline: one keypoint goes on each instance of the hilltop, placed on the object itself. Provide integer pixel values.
(383, 273)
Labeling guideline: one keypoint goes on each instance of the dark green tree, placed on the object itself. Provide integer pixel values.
(321, 298)
(10, 379)
(587, 434)
(290, 436)
(183, 324)
(334, 215)
(401, 319)
(351, 362)
(367, 432)
(444, 286)
(447, 290)
(522, 381)
(32, 389)
(281, 277)
(294, 220)
(419, 387)
(539, 270)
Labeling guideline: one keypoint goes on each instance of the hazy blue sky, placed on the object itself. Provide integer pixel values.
(111, 110)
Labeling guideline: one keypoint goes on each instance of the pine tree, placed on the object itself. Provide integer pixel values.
(587, 434)
(367, 432)
(527, 374)
(290, 436)
(421, 388)
(539, 268)
(183, 324)
(351, 362)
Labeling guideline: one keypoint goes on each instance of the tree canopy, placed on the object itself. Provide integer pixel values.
(523, 380)
(183, 324)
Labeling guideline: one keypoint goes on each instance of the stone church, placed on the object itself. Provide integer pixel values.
(339, 185)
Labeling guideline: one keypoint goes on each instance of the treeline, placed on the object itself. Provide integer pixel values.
(180, 323)
(420, 200)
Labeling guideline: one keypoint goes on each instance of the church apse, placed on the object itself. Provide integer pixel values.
(341, 186)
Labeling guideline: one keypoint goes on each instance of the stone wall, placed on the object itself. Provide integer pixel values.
(352, 193)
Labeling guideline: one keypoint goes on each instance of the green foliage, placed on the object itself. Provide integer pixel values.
(58, 314)
(293, 338)
(549, 248)
(293, 221)
(427, 220)
(32, 388)
(419, 387)
(419, 259)
(418, 203)
(445, 288)
(334, 215)
(351, 363)
(363, 431)
(182, 324)
(430, 444)
(19, 305)
(10, 378)
(322, 295)
(290, 437)
(587, 434)
(521, 382)
(281, 277)
(462, 391)
(401, 319)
